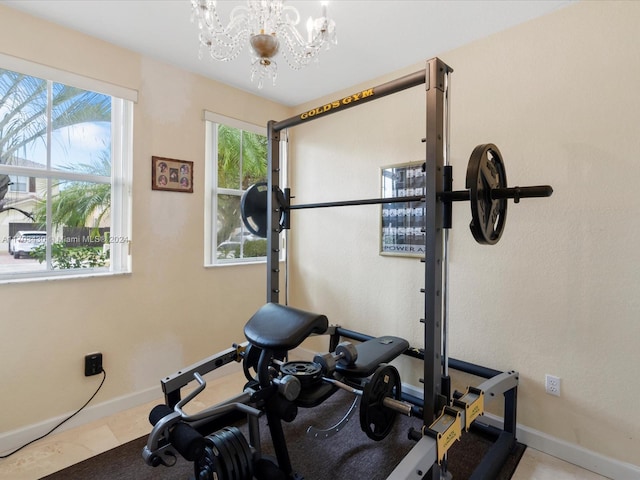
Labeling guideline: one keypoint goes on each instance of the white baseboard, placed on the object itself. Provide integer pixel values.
(13, 439)
(566, 451)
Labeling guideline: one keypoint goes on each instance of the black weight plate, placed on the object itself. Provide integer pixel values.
(253, 208)
(485, 172)
(208, 467)
(236, 452)
(376, 420)
(241, 449)
(246, 451)
(250, 362)
(309, 373)
(224, 456)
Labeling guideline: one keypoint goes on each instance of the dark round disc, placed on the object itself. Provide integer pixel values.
(485, 172)
(253, 208)
(376, 420)
(309, 373)
(208, 467)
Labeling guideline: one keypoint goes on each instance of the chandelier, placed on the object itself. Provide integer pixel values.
(265, 25)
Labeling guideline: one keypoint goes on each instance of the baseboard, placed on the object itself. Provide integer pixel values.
(11, 440)
(566, 451)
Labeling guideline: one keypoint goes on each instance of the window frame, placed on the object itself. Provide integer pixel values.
(121, 178)
(212, 120)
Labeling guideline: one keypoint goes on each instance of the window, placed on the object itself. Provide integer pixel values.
(236, 159)
(65, 155)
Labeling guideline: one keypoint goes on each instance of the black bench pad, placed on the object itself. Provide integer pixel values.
(371, 354)
(279, 327)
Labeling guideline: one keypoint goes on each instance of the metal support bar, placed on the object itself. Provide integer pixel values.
(499, 384)
(356, 99)
(416, 464)
(273, 214)
(172, 384)
(366, 201)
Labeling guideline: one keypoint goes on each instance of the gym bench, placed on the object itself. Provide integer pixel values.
(276, 388)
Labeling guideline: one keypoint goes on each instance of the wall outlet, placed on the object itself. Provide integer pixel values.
(552, 385)
(92, 364)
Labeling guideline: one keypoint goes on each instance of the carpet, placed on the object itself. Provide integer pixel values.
(348, 454)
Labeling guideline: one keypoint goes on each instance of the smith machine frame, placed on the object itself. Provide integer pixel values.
(423, 461)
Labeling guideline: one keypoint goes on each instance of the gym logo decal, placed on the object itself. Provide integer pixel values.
(337, 104)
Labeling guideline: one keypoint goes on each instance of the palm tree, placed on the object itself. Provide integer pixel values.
(23, 110)
(77, 202)
(241, 162)
(23, 121)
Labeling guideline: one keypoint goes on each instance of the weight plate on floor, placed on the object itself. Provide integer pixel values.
(376, 420)
(485, 172)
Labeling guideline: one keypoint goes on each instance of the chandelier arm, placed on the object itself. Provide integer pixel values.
(264, 24)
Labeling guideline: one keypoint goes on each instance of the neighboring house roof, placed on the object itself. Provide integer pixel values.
(23, 162)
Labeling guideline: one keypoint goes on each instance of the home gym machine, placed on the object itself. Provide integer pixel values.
(277, 387)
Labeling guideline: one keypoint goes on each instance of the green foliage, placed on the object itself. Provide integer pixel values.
(64, 257)
(242, 161)
(255, 248)
(252, 249)
(23, 103)
(77, 201)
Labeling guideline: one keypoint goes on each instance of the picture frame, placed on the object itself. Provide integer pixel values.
(402, 224)
(171, 174)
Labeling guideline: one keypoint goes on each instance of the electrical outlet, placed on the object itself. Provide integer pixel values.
(92, 364)
(552, 385)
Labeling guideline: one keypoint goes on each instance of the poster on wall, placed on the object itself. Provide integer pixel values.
(402, 224)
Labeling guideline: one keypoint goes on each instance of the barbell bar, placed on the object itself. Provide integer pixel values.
(486, 190)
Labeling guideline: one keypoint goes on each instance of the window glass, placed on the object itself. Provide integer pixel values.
(66, 154)
(240, 153)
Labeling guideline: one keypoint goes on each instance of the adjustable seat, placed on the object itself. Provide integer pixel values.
(282, 328)
(371, 354)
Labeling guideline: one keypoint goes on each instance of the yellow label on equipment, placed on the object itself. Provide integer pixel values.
(447, 429)
(337, 104)
(473, 402)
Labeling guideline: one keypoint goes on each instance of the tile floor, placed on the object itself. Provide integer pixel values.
(60, 450)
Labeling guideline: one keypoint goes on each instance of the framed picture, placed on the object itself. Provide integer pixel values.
(402, 224)
(170, 174)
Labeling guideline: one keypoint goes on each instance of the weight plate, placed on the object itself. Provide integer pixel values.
(237, 456)
(208, 467)
(376, 420)
(224, 457)
(246, 451)
(253, 208)
(309, 373)
(485, 172)
(250, 362)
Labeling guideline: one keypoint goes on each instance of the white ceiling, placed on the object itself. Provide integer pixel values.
(374, 37)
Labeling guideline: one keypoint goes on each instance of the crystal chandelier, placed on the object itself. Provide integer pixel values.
(265, 25)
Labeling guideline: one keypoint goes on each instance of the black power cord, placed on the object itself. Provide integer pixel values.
(104, 377)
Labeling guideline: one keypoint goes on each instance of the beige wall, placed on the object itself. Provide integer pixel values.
(171, 311)
(559, 293)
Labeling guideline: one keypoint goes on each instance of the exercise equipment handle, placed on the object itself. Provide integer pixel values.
(521, 192)
(185, 439)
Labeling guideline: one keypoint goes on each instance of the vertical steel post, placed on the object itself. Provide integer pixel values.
(273, 234)
(434, 169)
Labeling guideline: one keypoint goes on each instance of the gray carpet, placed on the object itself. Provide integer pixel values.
(348, 455)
